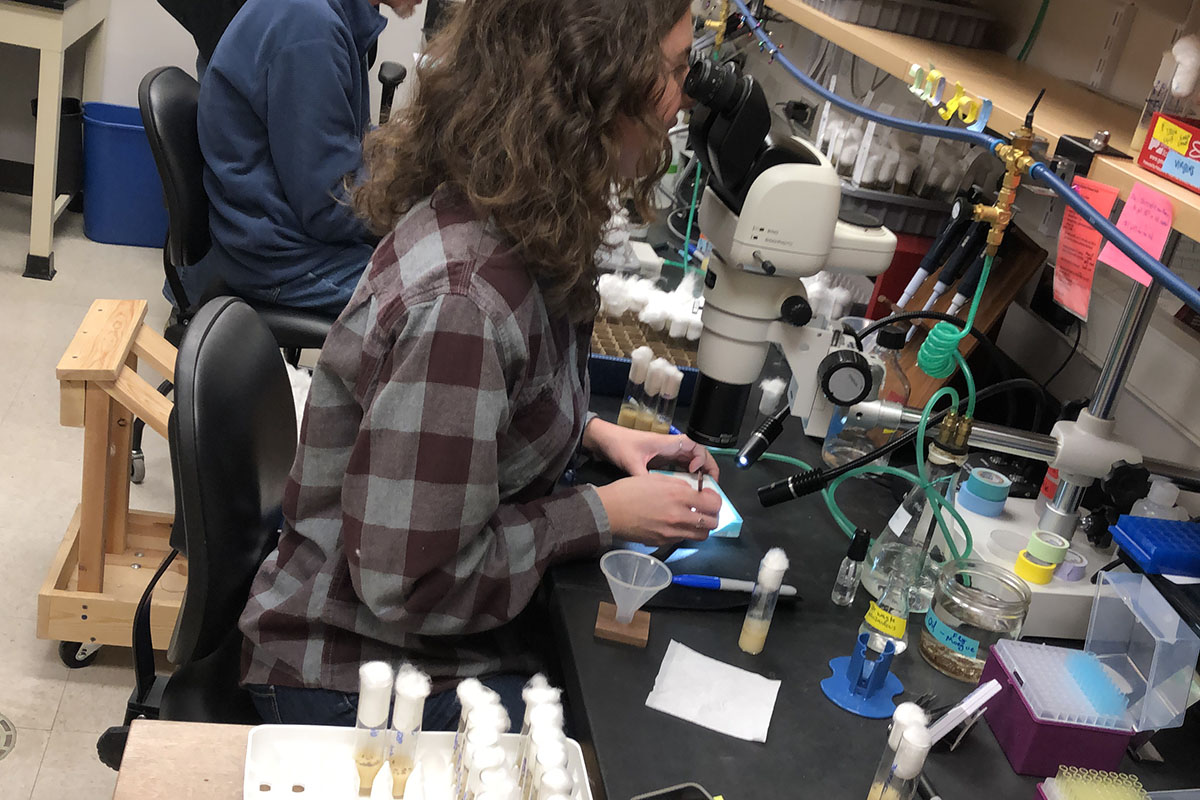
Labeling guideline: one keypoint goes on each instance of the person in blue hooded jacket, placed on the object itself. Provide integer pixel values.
(284, 105)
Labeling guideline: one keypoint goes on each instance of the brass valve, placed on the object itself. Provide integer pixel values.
(1017, 161)
(953, 433)
(718, 25)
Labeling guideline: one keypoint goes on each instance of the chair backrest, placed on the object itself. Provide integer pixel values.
(168, 98)
(232, 435)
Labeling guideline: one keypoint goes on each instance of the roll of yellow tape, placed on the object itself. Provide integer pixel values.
(1032, 569)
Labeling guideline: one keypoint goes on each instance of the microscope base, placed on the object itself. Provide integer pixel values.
(1060, 609)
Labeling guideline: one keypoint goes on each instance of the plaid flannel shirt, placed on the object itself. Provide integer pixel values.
(421, 511)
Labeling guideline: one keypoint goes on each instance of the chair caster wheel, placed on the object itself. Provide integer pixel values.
(137, 467)
(76, 656)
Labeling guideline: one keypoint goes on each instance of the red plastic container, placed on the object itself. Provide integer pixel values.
(1172, 150)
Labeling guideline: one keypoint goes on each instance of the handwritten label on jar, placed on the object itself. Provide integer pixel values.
(899, 521)
(883, 621)
(951, 638)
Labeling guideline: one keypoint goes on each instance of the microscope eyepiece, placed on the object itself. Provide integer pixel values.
(714, 86)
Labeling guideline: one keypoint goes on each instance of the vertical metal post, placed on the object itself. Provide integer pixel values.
(1139, 308)
(1061, 515)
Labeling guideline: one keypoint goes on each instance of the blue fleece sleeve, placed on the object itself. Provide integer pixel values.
(314, 135)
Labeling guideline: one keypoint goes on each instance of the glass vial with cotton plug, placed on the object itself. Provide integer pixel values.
(655, 376)
(762, 601)
(667, 398)
(471, 693)
(639, 365)
(545, 730)
(845, 586)
(904, 766)
(374, 703)
(411, 689)
(905, 716)
(537, 695)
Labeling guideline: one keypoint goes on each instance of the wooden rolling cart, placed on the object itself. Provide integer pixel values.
(109, 552)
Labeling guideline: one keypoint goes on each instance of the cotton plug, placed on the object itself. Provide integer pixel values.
(654, 313)
(772, 394)
(1187, 56)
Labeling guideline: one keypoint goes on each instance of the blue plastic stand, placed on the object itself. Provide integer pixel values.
(861, 686)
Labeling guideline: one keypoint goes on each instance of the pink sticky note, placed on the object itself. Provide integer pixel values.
(1078, 246)
(1146, 219)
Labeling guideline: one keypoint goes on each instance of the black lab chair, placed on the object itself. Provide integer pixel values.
(232, 436)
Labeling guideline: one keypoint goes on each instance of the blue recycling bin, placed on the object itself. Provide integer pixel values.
(122, 193)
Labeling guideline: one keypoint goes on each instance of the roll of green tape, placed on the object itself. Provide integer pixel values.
(987, 484)
(1048, 547)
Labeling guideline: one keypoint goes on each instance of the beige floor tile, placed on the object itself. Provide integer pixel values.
(70, 768)
(27, 556)
(19, 769)
(32, 678)
(37, 491)
(95, 696)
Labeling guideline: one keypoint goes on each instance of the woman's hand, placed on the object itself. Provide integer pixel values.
(658, 509)
(636, 451)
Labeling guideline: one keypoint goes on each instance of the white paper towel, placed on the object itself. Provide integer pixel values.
(713, 694)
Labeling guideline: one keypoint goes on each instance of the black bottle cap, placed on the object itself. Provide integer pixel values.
(891, 337)
(858, 547)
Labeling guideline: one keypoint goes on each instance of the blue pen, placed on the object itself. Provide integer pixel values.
(724, 584)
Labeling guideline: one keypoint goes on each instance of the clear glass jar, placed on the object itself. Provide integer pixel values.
(975, 604)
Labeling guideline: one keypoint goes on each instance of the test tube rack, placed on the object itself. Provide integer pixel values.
(619, 337)
(110, 552)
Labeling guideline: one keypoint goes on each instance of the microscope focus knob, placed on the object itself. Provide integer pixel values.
(796, 311)
(845, 377)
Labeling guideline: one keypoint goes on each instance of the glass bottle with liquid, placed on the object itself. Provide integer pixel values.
(895, 387)
(887, 618)
(914, 528)
(845, 586)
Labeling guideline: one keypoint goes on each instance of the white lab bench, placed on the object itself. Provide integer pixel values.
(50, 27)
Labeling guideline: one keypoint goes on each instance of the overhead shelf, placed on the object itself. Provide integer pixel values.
(1123, 174)
(1068, 108)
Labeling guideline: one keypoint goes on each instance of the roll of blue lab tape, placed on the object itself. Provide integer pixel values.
(988, 484)
(978, 505)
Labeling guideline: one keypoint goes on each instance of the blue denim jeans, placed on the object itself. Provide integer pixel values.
(286, 705)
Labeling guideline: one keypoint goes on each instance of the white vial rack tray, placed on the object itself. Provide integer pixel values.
(317, 762)
(1050, 687)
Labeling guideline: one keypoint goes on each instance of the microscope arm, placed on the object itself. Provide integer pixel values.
(1082, 448)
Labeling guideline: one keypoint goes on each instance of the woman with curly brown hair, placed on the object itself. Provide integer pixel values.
(424, 507)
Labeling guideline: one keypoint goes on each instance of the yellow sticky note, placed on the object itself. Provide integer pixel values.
(1172, 135)
(891, 625)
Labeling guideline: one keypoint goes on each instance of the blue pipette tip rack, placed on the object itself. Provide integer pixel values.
(862, 686)
(1096, 684)
(1160, 545)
